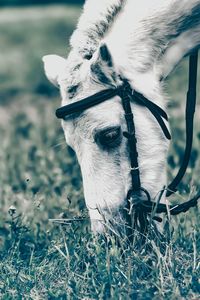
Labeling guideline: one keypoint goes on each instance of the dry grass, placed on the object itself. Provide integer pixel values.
(40, 178)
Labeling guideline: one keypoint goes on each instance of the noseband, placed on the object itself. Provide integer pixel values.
(128, 96)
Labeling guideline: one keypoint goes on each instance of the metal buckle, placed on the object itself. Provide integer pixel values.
(134, 168)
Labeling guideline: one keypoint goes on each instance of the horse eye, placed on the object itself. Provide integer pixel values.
(109, 138)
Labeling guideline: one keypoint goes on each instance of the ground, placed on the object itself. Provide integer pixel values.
(40, 181)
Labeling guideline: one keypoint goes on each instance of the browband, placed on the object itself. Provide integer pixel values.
(107, 94)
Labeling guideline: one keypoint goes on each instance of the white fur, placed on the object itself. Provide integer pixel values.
(54, 66)
(177, 50)
(146, 40)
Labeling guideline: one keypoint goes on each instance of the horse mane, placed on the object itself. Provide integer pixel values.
(93, 25)
(142, 31)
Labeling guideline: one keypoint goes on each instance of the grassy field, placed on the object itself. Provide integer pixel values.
(40, 180)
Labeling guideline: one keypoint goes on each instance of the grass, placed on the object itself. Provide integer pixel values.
(40, 180)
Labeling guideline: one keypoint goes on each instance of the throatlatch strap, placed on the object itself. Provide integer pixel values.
(189, 116)
(156, 111)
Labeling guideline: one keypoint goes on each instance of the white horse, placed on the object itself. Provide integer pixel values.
(139, 40)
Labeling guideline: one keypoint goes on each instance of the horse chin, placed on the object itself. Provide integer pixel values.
(109, 221)
(97, 226)
(109, 227)
(119, 222)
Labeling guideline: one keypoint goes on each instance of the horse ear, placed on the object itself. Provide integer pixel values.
(54, 65)
(102, 57)
(102, 66)
(105, 56)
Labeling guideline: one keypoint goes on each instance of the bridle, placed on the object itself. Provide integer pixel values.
(144, 207)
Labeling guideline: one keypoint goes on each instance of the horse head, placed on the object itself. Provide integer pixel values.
(96, 135)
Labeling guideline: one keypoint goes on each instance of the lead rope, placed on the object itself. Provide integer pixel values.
(189, 115)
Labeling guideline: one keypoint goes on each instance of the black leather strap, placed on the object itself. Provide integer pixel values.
(85, 103)
(189, 117)
(126, 96)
